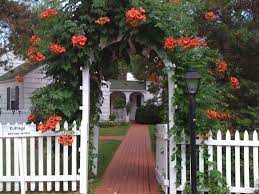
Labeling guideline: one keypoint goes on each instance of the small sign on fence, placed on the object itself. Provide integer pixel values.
(17, 130)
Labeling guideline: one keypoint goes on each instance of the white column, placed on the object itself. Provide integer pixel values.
(84, 131)
(127, 94)
(143, 98)
(172, 145)
(95, 150)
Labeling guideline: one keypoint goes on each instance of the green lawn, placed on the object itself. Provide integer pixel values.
(152, 131)
(114, 131)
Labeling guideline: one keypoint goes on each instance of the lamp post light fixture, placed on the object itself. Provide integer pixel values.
(192, 79)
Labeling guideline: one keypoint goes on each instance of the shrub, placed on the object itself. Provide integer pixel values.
(112, 117)
(119, 103)
(149, 114)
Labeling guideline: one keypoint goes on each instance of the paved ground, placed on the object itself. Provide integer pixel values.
(120, 138)
(132, 169)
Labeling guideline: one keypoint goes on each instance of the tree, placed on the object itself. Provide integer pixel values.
(236, 34)
(17, 24)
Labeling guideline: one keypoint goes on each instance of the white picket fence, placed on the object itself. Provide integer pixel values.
(36, 161)
(236, 158)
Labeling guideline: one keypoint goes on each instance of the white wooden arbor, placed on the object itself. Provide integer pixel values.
(85, 132)
(171, 112)
(84, 146)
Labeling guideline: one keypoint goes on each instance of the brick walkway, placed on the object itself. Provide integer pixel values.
(132, 169)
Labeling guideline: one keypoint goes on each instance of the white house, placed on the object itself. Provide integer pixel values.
(15, 98)
(134, 93)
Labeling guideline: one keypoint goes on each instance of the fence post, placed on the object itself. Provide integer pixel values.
(172, 144)
(84, 131)
(95, 150)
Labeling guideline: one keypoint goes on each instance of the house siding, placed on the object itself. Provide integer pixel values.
(32, 81)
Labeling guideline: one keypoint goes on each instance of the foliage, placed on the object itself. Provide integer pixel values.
(54, 100)
(236, 35)
(112, 117)
(105, 124)
(214, 183)
(114, 42)
(148, 114)
(119, 102)
(152, 133)
(17, 24)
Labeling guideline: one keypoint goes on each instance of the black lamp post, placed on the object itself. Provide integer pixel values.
(192, 79)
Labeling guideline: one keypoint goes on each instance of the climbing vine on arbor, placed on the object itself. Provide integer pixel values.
(97, 33)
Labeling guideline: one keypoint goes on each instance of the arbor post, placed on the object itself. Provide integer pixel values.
(172, 144)
(84, 143)
(95, 150)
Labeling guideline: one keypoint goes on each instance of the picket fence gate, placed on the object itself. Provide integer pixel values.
(36, 161)
(236, 158)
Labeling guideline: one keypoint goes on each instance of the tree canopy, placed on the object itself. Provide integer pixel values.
(99, 33)
(17, 24)
(236, 35)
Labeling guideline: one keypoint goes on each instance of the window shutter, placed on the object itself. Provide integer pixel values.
(8, 98)
(16, 105)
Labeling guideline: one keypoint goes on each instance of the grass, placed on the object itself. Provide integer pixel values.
(114, 131)
(152, 133)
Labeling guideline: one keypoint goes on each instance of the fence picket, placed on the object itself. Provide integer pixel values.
(16, 163)
(255, 160)
(24, 149)
(237, 161)
(49, 166)
(1, 160)
(210, 152)
(65, 160)
(57, 159)
(201, 161)
(246, 161)
(32, 161)
(201, 158)
(228, 160)
(74, 157)
(219, 153)
(8, 161)
(40, 161)
(183, 161)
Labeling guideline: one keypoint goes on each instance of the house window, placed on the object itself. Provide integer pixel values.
(13, 98)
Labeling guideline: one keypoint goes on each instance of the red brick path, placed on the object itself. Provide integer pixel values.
(132, 169)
